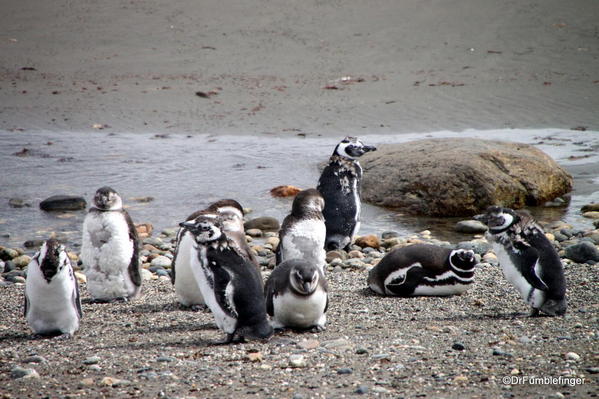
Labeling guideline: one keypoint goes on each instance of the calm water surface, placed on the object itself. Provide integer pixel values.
(185, 173)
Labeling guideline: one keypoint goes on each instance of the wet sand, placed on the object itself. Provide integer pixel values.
(277, 67)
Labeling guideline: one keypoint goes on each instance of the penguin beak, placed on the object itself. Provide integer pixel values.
(483, 217)
(187, 225)
(368, 148)
(307, 286)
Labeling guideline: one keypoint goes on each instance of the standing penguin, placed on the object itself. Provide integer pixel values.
(528, 259)
(231, 214)
(303, 232)
(340, 186)
(297, 296)
(423, 269)
(52, 303)
(230, 285)
(110, 249)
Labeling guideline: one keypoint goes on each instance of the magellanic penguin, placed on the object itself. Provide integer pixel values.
(303, 231)
(297, 296)
(423, 269)
(52, 303)
(340, 186)
(528, 259)
(231, 216)
(110, 249)
(230, 285)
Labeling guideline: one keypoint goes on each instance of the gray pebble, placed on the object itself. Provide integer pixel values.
(20, 372)
(34, 359)
(362, 389)
(161, 261)
(582, 252)
(458, 346)
(92, 360)
(345, 370)
(499, 352)
(9, 266)
(470, 227)
(165, 359)
(389, 234)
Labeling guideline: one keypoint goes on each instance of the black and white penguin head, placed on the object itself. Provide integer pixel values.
(307, 201)
(462, 259)
(498, 219)
(304, 278)
(205, 228)
(231, 213)
(351, 147)
(106, 199)
(52, 259)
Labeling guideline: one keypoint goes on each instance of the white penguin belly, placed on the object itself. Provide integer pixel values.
(186, 285)
(305, 240)
(223, 320)
(51, 306)
(106, 253)
(441, 290)
(294, 311)
(513, 275)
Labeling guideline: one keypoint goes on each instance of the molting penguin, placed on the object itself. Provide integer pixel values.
(340, 186)
(52, 303)
(297, 296)
(528, 259)
(423, 269)
(230, 285)
(231, 215)
(303, 232)
(110, 249)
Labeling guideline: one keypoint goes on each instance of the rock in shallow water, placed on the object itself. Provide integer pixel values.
(411, 176)
(470, 227)
(63, 203)
(264, 223)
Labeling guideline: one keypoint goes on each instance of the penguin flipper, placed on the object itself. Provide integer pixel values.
(222, 279)
(529, 257)
(76, 296)
(25, 305)
(133, 269)
(405, 286)
(269, 293)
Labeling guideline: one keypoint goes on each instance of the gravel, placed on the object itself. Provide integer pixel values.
(451, 347)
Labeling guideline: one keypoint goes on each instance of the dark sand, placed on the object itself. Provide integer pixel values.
(425, 65)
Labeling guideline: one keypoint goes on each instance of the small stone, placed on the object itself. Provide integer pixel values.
(284, 191)
(8, 254)
(337, 254)
(81, 278)
(591, 215)
(592, 207)
(470, 227)
(389, 234)
(92, 360)
(144, 230)
(356, 254)
(63, 203)
(573, 356)
(458, 346)
(161, 261)
(87, 382)
(355, 264)
(345, 370)
(264, 223)
(142, 199)
(297, 361)
(515, 371)
(114, 382)
(95, 367)
(146, 274)
(33, 243)
(582, 252)
(499, 352)
(309, 344)
(272, 241)
(16, 279)
(34, 359)
(460, 379)
(361, 351)
(18, 203)
(165, 359)
(254, 232)
(255, 357)
(22, 261)
(361, 390)
(368, 241)
(592, 370)
(378, 389)
(20, 372)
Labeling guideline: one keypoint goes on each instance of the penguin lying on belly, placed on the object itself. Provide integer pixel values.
(423, 269)
(528, 259)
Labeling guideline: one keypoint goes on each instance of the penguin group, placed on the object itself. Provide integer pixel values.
(214, 268)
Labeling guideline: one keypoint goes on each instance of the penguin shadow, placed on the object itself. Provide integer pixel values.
(18, 337)
(194, 342)
(179, 327)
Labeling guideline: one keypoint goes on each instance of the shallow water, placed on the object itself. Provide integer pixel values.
(185, 173)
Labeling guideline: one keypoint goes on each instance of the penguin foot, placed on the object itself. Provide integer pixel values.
(534, 313)
(228, 340)
(64, 336)
(198, 308)
(318, 329)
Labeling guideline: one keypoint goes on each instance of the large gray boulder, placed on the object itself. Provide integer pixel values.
(460, 176)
